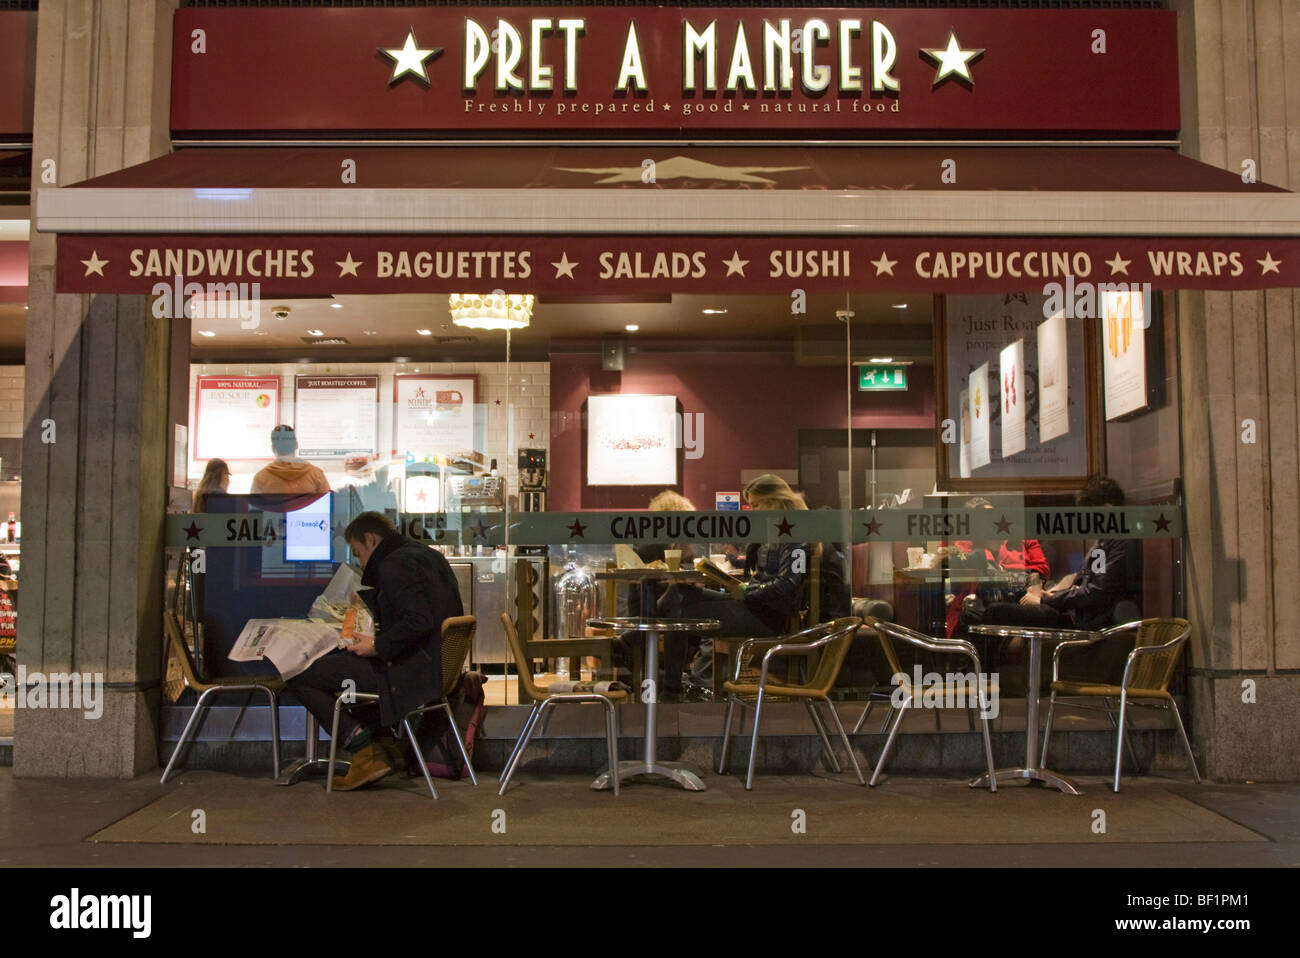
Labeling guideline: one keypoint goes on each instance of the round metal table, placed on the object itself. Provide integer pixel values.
(1034, 636)
(677, 772)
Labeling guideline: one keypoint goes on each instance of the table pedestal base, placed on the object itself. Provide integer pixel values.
(1030, 775)
(679, 774)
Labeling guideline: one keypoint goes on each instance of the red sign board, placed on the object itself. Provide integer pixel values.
(17, 73)
(601, 265)
(673, 70)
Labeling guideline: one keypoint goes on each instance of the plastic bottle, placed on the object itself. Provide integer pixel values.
(12, 527)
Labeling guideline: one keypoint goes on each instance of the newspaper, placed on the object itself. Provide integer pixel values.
(289, 644)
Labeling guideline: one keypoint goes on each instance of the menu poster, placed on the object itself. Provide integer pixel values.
(433, 416)
(234, 416)
(1124, 354)
(979, 417)
(1053, 379)
(632, 440)
(963, 458)
(1011, 372)
(336, 415)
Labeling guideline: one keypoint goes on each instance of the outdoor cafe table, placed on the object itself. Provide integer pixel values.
(676, 772)
(1034, 637)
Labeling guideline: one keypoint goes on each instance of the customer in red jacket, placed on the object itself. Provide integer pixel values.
(1028, 557)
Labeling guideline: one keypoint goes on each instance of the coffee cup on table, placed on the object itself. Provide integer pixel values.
(914, 558)
(673, 557)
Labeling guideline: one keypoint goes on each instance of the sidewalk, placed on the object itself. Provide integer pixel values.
(557, 820)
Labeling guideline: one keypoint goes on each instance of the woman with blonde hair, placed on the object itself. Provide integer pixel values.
(675, 643)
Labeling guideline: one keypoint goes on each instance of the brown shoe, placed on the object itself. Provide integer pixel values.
(370, 764)
(393, 749)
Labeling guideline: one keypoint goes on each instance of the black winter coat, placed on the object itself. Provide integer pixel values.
(412, 591)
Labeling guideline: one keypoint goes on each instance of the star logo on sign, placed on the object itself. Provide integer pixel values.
(348, 267)
(873, 527)
(94, 264)
(577, 529)
(1118, 264)
(192, 531)
(884, 264)
(735, 264)
(783, 527)
(480, 531)
(564, 267)
(1162, 523)
(953, 60)
(745, 107)
(1004, 525)
(1267, 265)
(409, 59)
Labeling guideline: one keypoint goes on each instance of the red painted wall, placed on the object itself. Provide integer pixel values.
(17, 72)
(753, 404)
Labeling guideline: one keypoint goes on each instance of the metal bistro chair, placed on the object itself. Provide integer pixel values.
(832, 641)
(888, 633)
(457, 635)
(1147, 673)
(543, 699)
(272, 685)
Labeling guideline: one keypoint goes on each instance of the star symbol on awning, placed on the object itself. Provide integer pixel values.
(1004, 525)
(735, 264)
(1118, 264)
(953, 60)
(577, 529)
(409, 59)
(564, 267)
(873, 527)
(94, 264)
(480, 531)
(348, 267)
(884, 264)
(1268, 264)
(1162, 523)
(192, 530)
(784, 527)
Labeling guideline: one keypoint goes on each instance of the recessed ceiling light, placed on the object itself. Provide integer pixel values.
(899, 306)
(631, 327)
(425, 332)
(371, 332)
(315, 332)
(713, 312)
(401, 359)
(417, 369)
(207, 332)
(336, 305)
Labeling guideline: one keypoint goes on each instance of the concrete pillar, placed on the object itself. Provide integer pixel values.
(98, 369)
(1238, 357)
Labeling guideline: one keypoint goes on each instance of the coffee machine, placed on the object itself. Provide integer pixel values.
(532, 480)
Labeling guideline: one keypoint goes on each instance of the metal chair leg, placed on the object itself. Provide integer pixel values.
(419, 755)
(275, 733)
(460, 743)
(884, 725)
(532, 717)
(970, 720)
(1182, 732)
(527, 736)
(726, 734)
(938, 722)
(889, 742)
(988, 754)
(848, 746)
(753, 745)
(1132, 752)
(862, 719)
(1119, 741)
(1047, 730)
(821, 732)
(334, 744)
(611, 741)
(190, 727)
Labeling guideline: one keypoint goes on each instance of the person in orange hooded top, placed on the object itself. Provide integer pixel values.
(288, 474)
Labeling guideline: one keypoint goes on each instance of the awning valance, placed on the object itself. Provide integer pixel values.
(675, 218)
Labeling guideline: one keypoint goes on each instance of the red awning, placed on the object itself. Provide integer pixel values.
(314, 221)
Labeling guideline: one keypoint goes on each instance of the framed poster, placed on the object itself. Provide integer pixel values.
(433, 416)
(1124, 362)
(234, 416)
(1011, 374)
(336, 415)
(975, 333)
(1053, 379)
(632, 440)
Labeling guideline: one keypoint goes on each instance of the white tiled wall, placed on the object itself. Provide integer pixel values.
(525, 388)
(11, 402)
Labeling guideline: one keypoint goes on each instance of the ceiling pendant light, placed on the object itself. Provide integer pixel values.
(491, 310)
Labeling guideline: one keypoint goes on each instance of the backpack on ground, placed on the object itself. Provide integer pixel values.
(441, 754)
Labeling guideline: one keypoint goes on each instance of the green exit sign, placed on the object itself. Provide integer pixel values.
(882, 377)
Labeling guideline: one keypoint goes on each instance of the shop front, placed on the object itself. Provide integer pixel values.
(889, 367)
